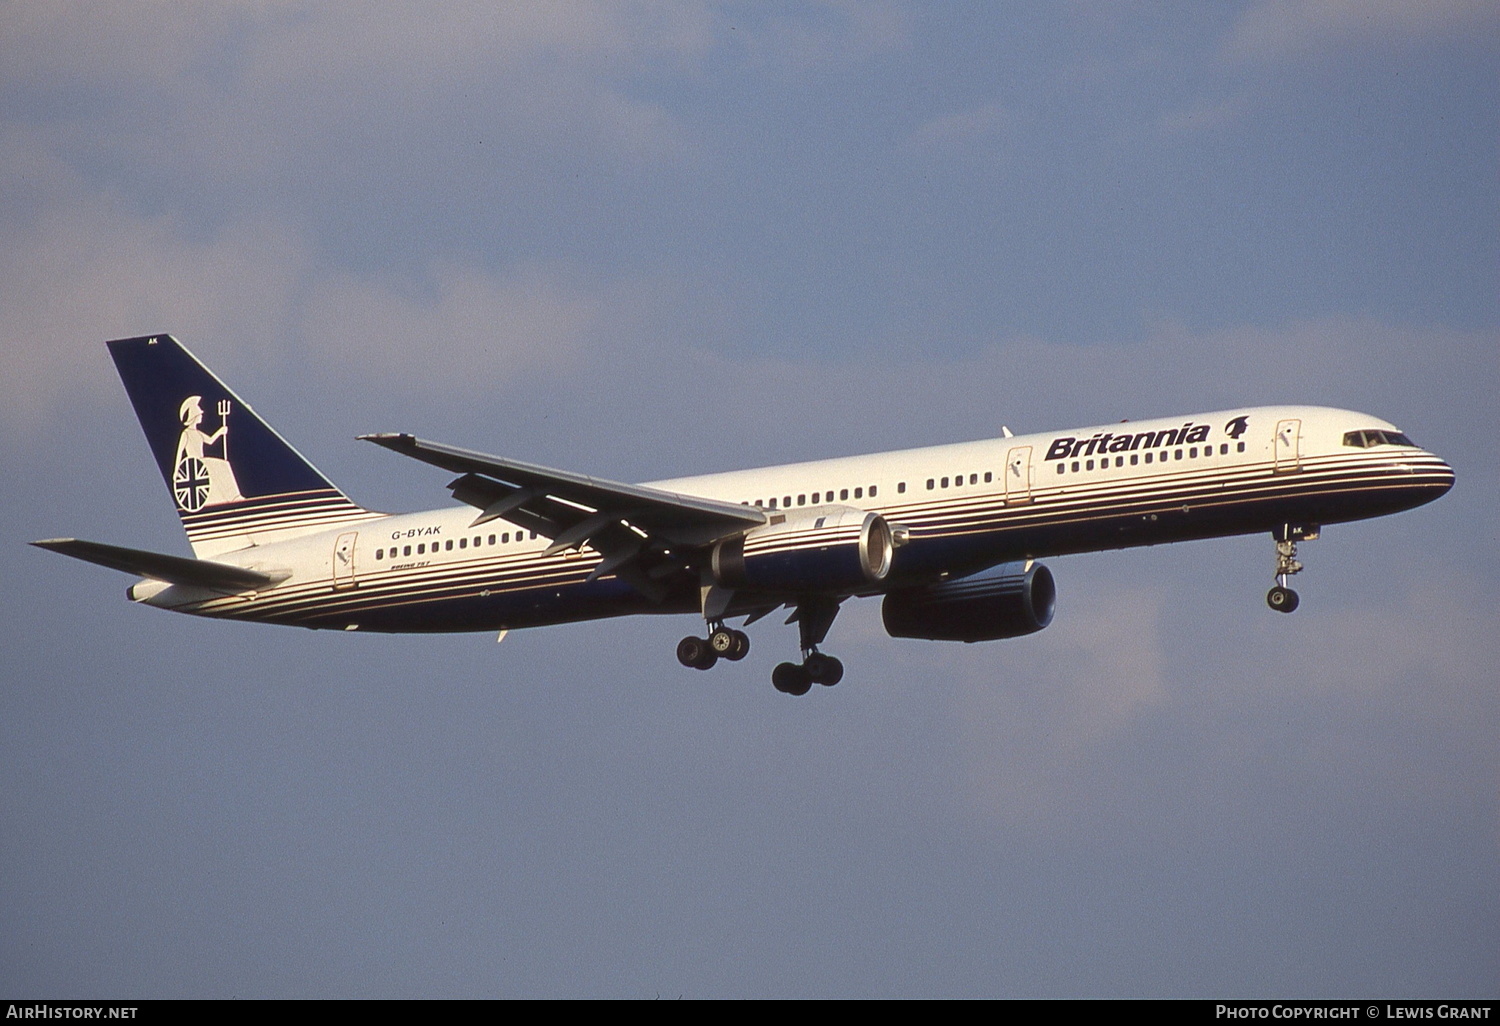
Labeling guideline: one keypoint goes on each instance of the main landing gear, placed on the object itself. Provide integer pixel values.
(722, 643)
(815, 668)
(813, 620)
(1281, 598)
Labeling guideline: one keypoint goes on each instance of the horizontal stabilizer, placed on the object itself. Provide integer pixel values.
(201, 573)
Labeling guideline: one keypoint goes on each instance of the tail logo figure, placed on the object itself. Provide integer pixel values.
(198, 479)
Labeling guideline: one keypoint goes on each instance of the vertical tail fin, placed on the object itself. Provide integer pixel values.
(234, 480)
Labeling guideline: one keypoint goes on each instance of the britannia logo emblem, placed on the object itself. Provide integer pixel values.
(1236, 427)
(198, 478)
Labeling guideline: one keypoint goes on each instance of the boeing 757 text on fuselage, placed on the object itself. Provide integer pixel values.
(948, 536)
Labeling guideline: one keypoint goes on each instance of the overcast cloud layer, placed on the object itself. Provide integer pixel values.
(654, 239)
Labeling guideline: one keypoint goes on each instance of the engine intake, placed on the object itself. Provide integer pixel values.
(828, 548)
(1005, 601)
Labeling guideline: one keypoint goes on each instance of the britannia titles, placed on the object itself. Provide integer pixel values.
(1106, 441)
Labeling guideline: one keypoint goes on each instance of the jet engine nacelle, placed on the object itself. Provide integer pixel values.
(824, 548)
(1005, 601)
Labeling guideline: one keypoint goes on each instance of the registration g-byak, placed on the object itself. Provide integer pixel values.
(947, 537)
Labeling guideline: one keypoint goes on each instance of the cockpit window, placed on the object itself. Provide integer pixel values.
(1372, 436)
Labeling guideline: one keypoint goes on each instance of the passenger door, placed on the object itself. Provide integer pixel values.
(343, 561)
(1288, 446)
(1018, 475)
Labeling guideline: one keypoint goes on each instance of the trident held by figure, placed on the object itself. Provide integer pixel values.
(224, 406)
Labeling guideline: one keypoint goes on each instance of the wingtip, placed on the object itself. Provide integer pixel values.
(389, 439)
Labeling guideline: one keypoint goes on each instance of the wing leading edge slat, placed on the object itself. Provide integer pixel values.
(669, 516)
(647, 536)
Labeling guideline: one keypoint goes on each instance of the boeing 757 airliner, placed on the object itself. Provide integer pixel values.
(948, 536)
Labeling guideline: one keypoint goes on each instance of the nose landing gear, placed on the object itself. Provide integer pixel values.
(1281, 598)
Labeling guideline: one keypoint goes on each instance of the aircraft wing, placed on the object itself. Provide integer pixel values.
(201, 573)
(633, 527)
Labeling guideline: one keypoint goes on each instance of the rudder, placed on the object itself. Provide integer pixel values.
(238, 484)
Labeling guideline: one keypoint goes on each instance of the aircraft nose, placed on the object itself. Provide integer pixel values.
(1444, 474)
(1432, 475)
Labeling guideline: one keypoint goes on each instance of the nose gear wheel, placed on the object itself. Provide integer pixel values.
(1281, 598)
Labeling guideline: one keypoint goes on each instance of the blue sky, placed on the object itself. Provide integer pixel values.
(654, 239)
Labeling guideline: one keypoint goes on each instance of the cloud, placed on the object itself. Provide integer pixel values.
(1165, 687)
(1201, 115)
(84, 267)
(961, 129)
(1025, 734)
(92, 272)
(301, 42)
(1276, 28)
(246, 89)
(467, 332)
(89, 271)
(295, 106)
(831, 33)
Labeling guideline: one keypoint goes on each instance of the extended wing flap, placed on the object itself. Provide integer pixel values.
(200, 573)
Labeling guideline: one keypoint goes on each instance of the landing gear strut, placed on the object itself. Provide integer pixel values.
(813, 620)
(722, 643)
(1281, 598)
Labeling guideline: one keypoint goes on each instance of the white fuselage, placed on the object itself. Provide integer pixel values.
(960, 508)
